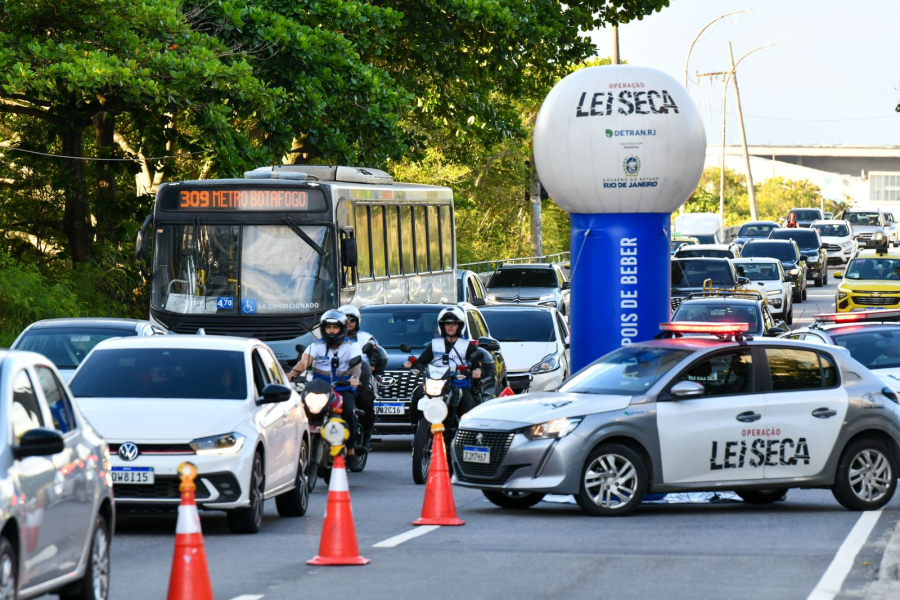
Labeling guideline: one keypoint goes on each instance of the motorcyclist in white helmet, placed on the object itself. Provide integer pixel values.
(365, 393)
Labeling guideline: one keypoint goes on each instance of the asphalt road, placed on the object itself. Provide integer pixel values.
(688, 550)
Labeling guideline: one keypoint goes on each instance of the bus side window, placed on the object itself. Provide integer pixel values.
(406, 240)
(363, 243)
(446, 238)
(392, 229)
(421, 241)
(434, 239)
(378, 257)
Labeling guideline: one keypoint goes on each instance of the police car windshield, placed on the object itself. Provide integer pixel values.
(872, 219)
(718, 312)
(506, 278)
(67, 347)
(805, 238)
(692, 273)
(832, 230)
(758, 271)
(874, 268)
(627, 371)
(393, 325)
(875, 347)
(780, 251)
(760, 231)
(162, 373)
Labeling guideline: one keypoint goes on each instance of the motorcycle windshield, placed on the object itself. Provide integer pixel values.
(437, 371)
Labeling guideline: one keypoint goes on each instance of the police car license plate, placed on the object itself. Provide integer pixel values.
(389, 408)
(477, 454)
(139, 475)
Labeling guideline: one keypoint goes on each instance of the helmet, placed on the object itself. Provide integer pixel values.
(351, 311)
(333, 317)
(451, 315)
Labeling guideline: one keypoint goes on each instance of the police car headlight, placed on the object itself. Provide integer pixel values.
(315, 402)
(434, 387)
(230, 443)
(552, 430)
(547, 364)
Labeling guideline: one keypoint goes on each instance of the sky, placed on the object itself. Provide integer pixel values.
(835, 80)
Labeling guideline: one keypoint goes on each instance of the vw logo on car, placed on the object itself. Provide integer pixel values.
(128, 451)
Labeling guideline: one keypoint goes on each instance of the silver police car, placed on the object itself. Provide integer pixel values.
(721, 412)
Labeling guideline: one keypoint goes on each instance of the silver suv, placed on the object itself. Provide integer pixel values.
(536, 284)
(55, 489)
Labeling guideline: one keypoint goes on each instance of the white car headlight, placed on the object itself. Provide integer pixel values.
(794, 272)
(434, 387)
(547, 364)
(555, 429)
(315, 402)
(230, 443)
(547, 297)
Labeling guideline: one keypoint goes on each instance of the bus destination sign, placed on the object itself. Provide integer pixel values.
(243, 199)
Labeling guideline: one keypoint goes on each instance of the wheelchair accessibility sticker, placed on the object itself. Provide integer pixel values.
(248, 306)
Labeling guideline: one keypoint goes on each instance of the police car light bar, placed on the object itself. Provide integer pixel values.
(716, 328)
(855, 317)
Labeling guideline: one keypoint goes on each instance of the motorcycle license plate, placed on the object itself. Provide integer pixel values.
(477, 454)
(139, 475)
(389, 408)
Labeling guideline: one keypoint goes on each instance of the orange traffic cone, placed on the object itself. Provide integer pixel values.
(338, 544)
(438, 508)
(507, 391)
(190, 575)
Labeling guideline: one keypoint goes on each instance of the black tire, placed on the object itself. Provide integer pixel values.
(620, 457)
(818, 280)
(825, 276)
(361, 459)
(94, 584)
(805, 292)
(295, 502)
(249, 519)
(312, 470)
(421, 457)
(762, 496)
(789, 317)
(325, 474)
(798, 297)
(513, 500)
(9, 570)
(879, 471)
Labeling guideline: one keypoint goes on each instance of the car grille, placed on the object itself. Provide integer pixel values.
(864, 236)
(519, 382)
(165, 487)
(876, 301)
(497, 441)
(156, 449)
(403, 385)
(266, 332)
(517, 298)
(832, 247)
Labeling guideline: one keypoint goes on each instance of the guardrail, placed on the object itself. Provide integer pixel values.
(489, 266)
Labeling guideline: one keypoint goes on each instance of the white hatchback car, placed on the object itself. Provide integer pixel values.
(838, 239)
(777, 286)
(221, 403)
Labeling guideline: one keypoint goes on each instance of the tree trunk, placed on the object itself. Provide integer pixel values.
(76, 216)
(537, 242)
(107, 208)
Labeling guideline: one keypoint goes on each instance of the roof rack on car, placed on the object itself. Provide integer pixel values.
(735, 331)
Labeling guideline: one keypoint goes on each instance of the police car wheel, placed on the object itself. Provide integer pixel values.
(866, 476)
(762, 496)
(513, 500)
(613, 481)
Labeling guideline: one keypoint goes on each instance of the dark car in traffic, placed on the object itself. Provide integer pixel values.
(415, 325)
(806, 216)
(787, 251)
(812, 248)
(692, 275)
(749, 307)
(755, 230)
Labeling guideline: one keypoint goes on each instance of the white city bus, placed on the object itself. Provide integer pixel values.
(265, 255)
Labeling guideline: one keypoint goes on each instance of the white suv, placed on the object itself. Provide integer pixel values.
(219, 402)
(837, 235)
(775, 284)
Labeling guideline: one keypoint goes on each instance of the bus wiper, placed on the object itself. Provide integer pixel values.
(296, 229)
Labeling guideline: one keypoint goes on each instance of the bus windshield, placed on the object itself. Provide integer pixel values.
(247, 270)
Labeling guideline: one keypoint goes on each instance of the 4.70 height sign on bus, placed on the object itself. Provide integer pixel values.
(240, 199)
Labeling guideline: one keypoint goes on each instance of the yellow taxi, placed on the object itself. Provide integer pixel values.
(871, 281)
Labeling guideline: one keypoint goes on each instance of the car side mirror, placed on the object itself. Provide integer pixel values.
(567, 285)
(349, 254)
(489, 344)
(788, 278)
(274, 393)
(802, 259)
(687, 389)
(838, 275)
(823, 247)
(39, 442)
(140, 245)
(775, 331)
(478, 302)
(405, 348)
(567, 342)
(743, 281)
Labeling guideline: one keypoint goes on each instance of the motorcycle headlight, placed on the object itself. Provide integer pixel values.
(230, 443)
(434, 387)
(315, 402)
(552, 430)
(547, 364)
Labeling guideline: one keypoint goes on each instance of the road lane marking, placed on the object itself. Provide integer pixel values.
(249, 597)
(833, 579)
(406, 536)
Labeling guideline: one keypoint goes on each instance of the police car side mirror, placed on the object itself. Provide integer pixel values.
(687, 389)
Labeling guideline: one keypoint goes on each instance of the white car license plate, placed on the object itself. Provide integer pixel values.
(389, 408)
(477, 454)
(139, 475)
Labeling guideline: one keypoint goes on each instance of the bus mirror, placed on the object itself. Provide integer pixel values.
(349, 255)
(140, 246)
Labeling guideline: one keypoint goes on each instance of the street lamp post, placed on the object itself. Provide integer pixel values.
(697, 37)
